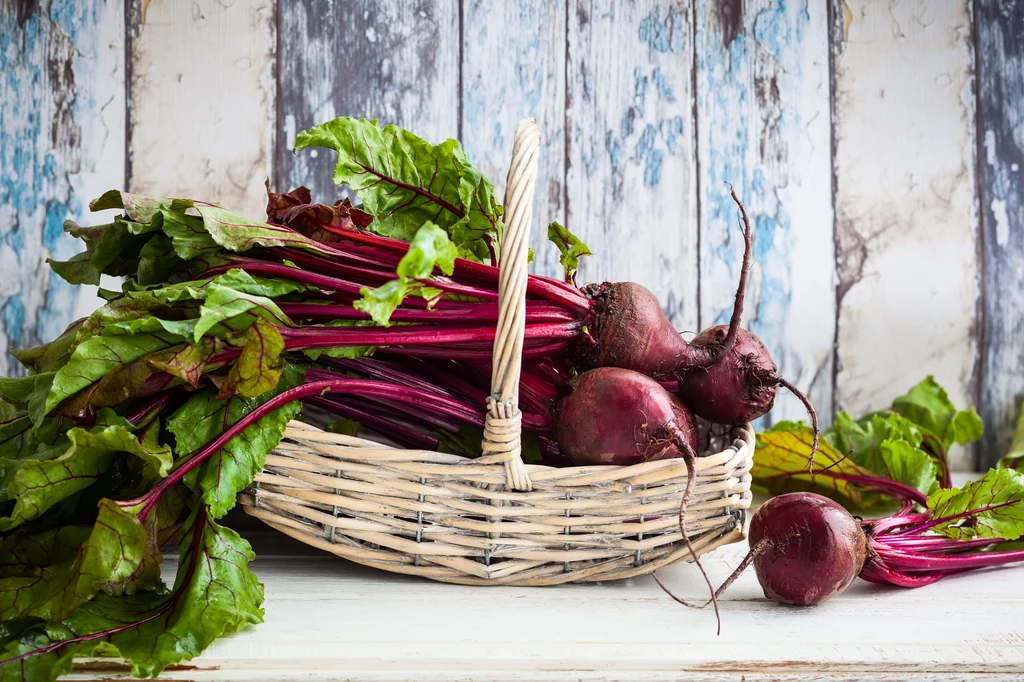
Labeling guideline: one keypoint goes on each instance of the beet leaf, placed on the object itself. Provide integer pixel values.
(214, 593)
(404, 181)
(991, 507)
(49, 574)
(202, 418)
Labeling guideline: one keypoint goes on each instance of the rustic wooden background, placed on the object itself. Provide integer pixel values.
(876, 143)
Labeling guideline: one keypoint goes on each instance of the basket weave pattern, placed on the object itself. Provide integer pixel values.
(494, 520)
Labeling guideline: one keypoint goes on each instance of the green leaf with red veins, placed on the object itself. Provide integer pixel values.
(202, 418)
(50, 356)
(404, 181)
(780, 465)
(111, 249)
(259, 367)
(214, 593)
(227, 304)
(991, 507)
(50, 574)
(238, 233)
(38, 484)
(97, 356)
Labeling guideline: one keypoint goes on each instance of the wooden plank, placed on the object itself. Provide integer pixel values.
(905, 201)
(513, 66)
(1000, 58)
(327, 619)
(762, 111)
(61, 144)
(202, 101)
(631, 185)
(397, 62)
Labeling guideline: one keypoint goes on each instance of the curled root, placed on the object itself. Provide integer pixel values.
(691, 474)
(813, 415)
(754, 552)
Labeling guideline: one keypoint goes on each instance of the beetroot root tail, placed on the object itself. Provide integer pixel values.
(741, 288)
(690, 458)
(811, 413)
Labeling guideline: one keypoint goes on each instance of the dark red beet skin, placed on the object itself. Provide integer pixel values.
(735, 388)
(618, 416)
(812, 548)
(630, 330)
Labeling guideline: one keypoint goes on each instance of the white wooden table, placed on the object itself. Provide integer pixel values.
(327, 619)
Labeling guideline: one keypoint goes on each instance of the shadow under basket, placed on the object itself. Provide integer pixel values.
(494, 520)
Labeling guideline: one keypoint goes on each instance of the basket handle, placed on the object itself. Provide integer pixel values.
(503, 425)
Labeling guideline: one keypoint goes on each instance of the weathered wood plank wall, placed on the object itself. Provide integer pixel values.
(882, 176)
(631, 178)
(1000, 65)
(762, 111)
(204, 70)
(905, 199)
(62, 141)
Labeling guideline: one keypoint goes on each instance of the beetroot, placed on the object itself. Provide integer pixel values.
(630, 330)
(725, 374)
(810, 548)
(738, 386)
(618, 416)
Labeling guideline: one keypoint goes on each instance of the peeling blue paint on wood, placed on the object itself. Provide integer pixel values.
(1000, 65)
(57, 75)
(513, 66)
(631, 173)
(762, 119)
(396, 62)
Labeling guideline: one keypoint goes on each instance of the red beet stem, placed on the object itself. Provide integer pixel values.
(553, 290)
(312, 337)
(442, 313)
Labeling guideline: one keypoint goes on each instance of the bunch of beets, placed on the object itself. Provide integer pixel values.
(142, 422)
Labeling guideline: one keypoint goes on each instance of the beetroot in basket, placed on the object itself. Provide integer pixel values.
(142, 423)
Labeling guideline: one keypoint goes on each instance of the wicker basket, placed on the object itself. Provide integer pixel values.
(493, 520)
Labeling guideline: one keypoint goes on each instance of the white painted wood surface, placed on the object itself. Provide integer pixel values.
(763, 125)
(327, 619)
(202, 101)
(905, 201)
(631, 179)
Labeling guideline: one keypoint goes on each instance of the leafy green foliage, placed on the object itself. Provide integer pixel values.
(40, 483)
(430, 248)
(50, 574)
(220, 478)
(95, 445)
(570, 247)
(404, 181)
(780, 465)
(928, 405)
(992, 507)
(214, 593)
(906, 443)
(259, 367)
